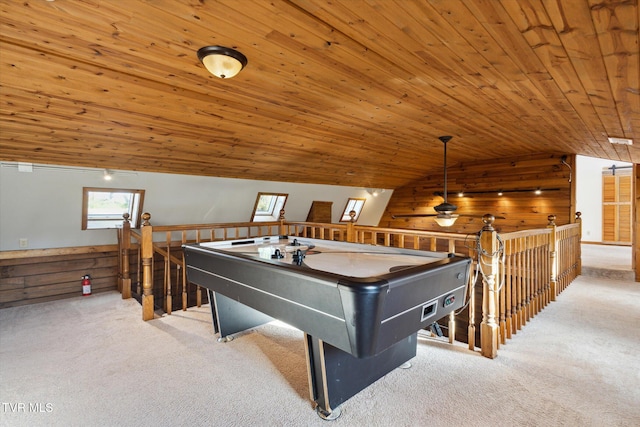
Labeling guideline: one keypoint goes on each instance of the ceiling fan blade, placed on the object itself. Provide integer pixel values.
(412, 215)
(432, 215)
(480, 216)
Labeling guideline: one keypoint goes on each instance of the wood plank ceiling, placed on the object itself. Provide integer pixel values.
(346, 92)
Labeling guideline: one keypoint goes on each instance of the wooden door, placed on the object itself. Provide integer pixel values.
(616, 206)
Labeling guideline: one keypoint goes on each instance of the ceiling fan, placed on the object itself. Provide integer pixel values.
(445, 216)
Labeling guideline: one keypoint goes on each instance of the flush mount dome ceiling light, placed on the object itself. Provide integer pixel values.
(222, 62)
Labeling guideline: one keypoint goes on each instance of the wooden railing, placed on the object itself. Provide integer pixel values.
(521, 272)
(533, 267)
(165, 242)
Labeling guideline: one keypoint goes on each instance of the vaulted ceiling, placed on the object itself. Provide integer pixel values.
(347, 92)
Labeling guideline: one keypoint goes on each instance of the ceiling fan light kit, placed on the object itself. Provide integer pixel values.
(446, 220)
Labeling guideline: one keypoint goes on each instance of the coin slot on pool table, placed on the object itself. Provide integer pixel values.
(429, 310)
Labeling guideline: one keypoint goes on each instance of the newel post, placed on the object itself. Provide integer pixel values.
(147, 263)
(283, 226)
(553, 257)
(351, 227)
(125, 242)
(488, 263)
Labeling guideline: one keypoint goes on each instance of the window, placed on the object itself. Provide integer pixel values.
(268, 206)
(353, 204)
(103, 207)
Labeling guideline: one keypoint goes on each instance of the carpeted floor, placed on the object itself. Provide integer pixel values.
(606, 256)
(92, 361)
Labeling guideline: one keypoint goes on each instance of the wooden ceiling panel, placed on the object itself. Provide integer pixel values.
(347, 92)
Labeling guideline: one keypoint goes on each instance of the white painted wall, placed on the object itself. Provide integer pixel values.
(588, 175)
(45, 206)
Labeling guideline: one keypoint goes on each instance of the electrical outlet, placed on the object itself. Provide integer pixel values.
(24, 242)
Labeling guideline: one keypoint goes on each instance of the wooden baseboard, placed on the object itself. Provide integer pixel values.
(605, 243)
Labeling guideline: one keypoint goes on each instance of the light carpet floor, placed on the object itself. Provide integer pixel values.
(606, 256)
(92, 361)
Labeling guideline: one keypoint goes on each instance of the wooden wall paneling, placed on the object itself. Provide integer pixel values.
(29, 280)
(636, 222)
(482, 180)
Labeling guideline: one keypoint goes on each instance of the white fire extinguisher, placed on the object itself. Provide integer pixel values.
(86, 285)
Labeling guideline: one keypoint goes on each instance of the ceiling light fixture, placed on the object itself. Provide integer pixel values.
(621, 141)
(445, 217)
(107, 175)
(222, 62)
(375, 192)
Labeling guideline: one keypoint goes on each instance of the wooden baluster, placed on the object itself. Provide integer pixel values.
(168, 302)
(507, 288)
(178, 277)
(489, 265)
(553, 258)
(531, 275)
(433, 244)
(198, 289)
(139, 269)
(184, 273)
(452, 327)
(544, 272)
(471, 330)
(527, 279)
(549, 269)
(147, 267)
(502, 304)
(540, 268)
(119, 259)
(124, 256)
(543, 277)
(562, 257)
(521, 282)
(535, 283)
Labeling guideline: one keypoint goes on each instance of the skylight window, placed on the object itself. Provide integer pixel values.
(353, 204)
(268, 207)
(103, 207)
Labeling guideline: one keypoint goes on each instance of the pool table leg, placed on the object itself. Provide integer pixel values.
(335, 375)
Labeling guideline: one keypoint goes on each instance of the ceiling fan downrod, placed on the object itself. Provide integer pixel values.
(445, 207)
